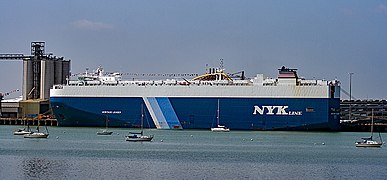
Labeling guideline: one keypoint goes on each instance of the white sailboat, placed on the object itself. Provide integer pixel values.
(37, 133)
(139, 136)
(369, 141)
(25, 130)
(219, 128)
(105, 131)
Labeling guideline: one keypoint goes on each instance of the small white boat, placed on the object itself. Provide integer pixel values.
(36, 135)
(139, 136)
(23, 131)
(369, 141)
(219, 127)
(105, 131)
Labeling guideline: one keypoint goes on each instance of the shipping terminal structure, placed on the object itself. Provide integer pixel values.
(287, 102)
(41, 71)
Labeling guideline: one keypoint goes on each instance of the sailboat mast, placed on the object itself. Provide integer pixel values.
(142, 116)
(37, 128)
(217, 115)
(106, 122)
(372, 123)
(45, 125)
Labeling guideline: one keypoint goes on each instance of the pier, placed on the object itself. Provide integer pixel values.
(380, 125)
(356, 115)
(29, 121)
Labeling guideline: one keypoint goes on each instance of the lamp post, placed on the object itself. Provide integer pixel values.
(350, 95)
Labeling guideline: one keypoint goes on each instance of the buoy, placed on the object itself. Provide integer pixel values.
(251, 139)
(323, 143)
(191, 135)
(161, 140)
(57, 137)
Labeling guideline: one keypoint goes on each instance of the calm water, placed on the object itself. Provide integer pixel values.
(78, 153)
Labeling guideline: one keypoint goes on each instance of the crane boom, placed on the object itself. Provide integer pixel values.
(2, 95)
(13, 57)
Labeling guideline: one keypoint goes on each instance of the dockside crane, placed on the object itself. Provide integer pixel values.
(37, 54)
(34, 70)
(2, 95)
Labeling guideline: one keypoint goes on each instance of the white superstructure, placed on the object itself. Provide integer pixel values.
(99, 84)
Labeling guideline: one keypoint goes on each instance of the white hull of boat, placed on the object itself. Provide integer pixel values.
(36, 135)
(140, 138)
(21, 132)
(220, 129)
(105, 133)
(369, 144)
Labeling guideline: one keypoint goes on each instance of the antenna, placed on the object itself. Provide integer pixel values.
(350, 95)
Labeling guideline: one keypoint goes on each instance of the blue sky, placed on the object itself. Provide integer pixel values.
(323, 39)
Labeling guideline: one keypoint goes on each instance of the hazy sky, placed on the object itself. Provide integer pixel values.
(323, 39)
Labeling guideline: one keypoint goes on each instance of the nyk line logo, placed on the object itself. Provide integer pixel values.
(275, 110)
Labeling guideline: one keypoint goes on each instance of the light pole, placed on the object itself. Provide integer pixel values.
(350, 95)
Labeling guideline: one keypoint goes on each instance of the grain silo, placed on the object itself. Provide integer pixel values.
(40, 72)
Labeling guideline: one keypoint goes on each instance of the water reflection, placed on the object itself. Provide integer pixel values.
(81, 154)
(42, 168)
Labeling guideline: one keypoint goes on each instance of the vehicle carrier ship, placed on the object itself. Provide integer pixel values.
(287, 102)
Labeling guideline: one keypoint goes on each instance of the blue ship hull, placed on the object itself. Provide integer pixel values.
(200, 113)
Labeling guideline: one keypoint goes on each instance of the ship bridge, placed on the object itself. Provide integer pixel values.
(213, 75)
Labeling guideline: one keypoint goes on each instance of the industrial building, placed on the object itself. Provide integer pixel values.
(40, 72)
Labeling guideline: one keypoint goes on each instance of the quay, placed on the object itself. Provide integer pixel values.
(356, 115)
(364, 126)
(29, 121)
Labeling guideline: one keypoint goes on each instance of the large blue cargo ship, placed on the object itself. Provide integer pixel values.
(283, 103)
